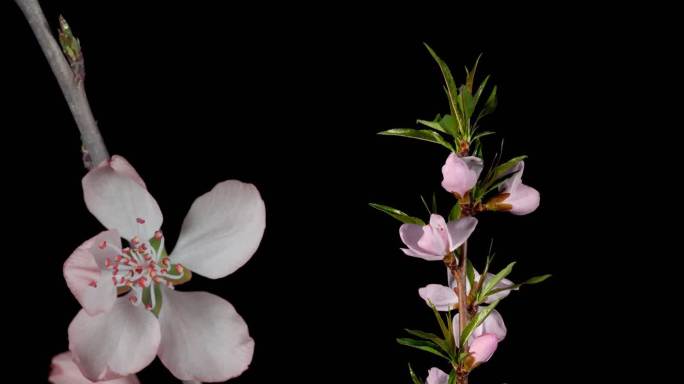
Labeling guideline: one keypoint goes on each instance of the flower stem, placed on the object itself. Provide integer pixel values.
(460, 277)
(72, 86)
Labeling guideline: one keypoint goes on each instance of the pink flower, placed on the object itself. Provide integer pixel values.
(64, 371)
(434, 241)
(436, 376)
(197, 335)
(460, 173)
(482, 348)
(492, 324)
(445, 298)
(521, 198)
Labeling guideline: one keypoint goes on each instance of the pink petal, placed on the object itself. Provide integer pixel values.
(460, 230)
(483, 347)
(515, 180)
(118, 201)
(411, 234)
(90, 285)
(222, 230)
(501, 284)
(475, 164)
(121, 165)
(524, 200)
(460, 174)
(65, 371)
(436, 376)
(492, 324)
(444, 298)
(203, 337)
(435, 236)
(120, 342)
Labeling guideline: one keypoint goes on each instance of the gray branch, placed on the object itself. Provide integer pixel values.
(73, 89)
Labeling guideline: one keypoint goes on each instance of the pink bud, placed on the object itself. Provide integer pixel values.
(436, 376)
(483, 347)
(523, 199)
(460, 173)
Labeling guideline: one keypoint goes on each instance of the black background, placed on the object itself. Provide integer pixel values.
(290, 99)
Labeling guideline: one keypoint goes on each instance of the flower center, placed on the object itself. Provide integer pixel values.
(142, 267)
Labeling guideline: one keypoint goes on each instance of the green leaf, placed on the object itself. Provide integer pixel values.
(490, 257)
(470, 75)
(452, 90)
(449, 124)
(480, 89)
(425, 204)
(490, 104)
(419, 134)
(482, 134)
(467, 105)
(423, 345)
(470, 273)
(501, 169)
(452, 377)
(536, 279)
(434, 125)
(414, 378)
(500, 173)
(450, 331)
(530, 281)
(491, 283)
(455, 213)
(441, 343)
(397, 214)
(445, 330)
(475, 322)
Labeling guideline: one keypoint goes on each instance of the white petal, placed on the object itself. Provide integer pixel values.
(118, 201)
(120, 342)
(501, 284)
(475, 164)
(492, 324)
(65, 371)
(203, 337)
(91, 285)
(443, 298)
(459, 231)
(436, 376)
(121, 165)
(222, 230)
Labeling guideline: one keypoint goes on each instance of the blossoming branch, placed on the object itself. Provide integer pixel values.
(471, 337)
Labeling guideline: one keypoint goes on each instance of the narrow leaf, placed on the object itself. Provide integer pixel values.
(449, 124)
(455, 213)
(452, 377)
(475, 322)
(491, 283)
(445, 330)
(414, 378)
(419, 134)
(441, 343)
(470, 273)
(434, 125)
(480, 89)
(397, 214)
(470, 75)
(452, 91)
(530, 281)
(423, 345)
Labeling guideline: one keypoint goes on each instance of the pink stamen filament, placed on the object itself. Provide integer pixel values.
(141, 266)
